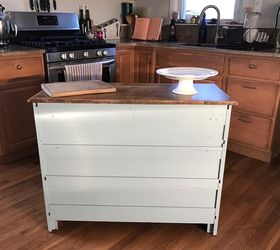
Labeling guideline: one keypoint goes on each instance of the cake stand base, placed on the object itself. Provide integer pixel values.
(185, 87)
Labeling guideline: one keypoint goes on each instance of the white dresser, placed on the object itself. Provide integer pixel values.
(138, 155)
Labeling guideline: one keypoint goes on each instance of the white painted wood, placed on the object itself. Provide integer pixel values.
(124, 124)
(133, 214)
(134, 161)
(116, 191)
(51, 223)
(146, 163)
(221, 176)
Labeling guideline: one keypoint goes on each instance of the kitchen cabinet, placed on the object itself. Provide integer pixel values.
(180, 58)
(130, 172)
(125, 64)
(20, 77)
(254, 83)
(135, 65)
(144, 65)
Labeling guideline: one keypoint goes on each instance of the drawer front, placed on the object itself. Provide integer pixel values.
(145, 125)
(250, 130)
(253, 96)
(187, 59)
(133, 161)
(113, 191)
(133, 214)
(254, 68)
(20, 68)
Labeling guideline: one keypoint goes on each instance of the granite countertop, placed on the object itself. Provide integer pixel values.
(270, 52)
(145, 94)
(18, 50)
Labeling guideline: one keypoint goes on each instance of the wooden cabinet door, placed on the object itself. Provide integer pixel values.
(125, 65)
(143, 65)
(16, 121)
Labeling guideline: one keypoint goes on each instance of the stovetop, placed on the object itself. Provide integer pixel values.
(62, 44)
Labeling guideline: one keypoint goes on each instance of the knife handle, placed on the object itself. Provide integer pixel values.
(36, 5)
(54, 4)
(48, 5)
(31, 4)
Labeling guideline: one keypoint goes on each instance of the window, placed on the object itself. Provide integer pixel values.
(226, 7)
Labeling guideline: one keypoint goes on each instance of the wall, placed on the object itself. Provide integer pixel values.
(101, 10)
(159, 8)
(162, 8)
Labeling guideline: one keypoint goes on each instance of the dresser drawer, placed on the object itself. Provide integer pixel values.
(254, 68)
(187, 59)
(119, 191)
(250, 130)
(252, 96)
(20, 68)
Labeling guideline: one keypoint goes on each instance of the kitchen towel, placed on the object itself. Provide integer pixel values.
(83, 72)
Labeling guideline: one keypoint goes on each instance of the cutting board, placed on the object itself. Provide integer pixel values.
(60, 89)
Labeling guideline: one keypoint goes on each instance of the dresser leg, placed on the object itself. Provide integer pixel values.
(52, 224)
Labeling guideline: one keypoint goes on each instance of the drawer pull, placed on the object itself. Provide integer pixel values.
(252, 66)
(248, 87)
(243, 120)
(19, 66)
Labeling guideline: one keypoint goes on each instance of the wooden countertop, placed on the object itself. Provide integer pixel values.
(145, 94)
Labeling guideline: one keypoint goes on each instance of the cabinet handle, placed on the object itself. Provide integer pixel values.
(19, 66)
(252, 66)
(243, 120)
(249, 87)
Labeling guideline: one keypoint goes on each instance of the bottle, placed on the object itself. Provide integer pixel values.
(202, 35)
(188, 16)
(82, 21)
(172, 35)
(88, 22)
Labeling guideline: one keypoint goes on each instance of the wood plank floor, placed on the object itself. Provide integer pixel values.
(249, 218)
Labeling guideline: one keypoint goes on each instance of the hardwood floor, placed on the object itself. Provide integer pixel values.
(249, 217)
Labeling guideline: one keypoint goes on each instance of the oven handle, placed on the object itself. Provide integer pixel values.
(63, 66)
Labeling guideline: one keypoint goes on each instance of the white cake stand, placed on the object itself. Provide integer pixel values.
(186, 76)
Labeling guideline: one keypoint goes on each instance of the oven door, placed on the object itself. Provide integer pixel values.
(55, 71)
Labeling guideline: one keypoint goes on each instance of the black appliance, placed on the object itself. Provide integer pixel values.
(126, 9)
(59, 35)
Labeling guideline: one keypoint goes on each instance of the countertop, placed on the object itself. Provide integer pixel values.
(18, 50)
(270, 52)
(145, 94)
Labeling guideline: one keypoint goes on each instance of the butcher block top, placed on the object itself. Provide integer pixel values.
(208, 94)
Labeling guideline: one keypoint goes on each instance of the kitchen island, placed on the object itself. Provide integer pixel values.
(142, 154)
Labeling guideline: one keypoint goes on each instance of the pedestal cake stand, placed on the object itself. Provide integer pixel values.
(186, 76)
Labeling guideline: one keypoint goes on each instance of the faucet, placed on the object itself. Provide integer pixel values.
(217, 35)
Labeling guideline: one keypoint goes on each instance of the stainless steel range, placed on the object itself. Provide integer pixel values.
(59, 35)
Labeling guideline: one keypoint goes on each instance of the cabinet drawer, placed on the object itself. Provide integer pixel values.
(250, 130)
(113, 191)
(253, 96)
(125, 124)
(20, 68)
(132, 161)
(254, 68)
(187, 59)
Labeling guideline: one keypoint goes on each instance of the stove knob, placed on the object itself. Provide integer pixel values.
(63, 56)
(99, 53)
(71, 55)
(85, 54)
(105, 52)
